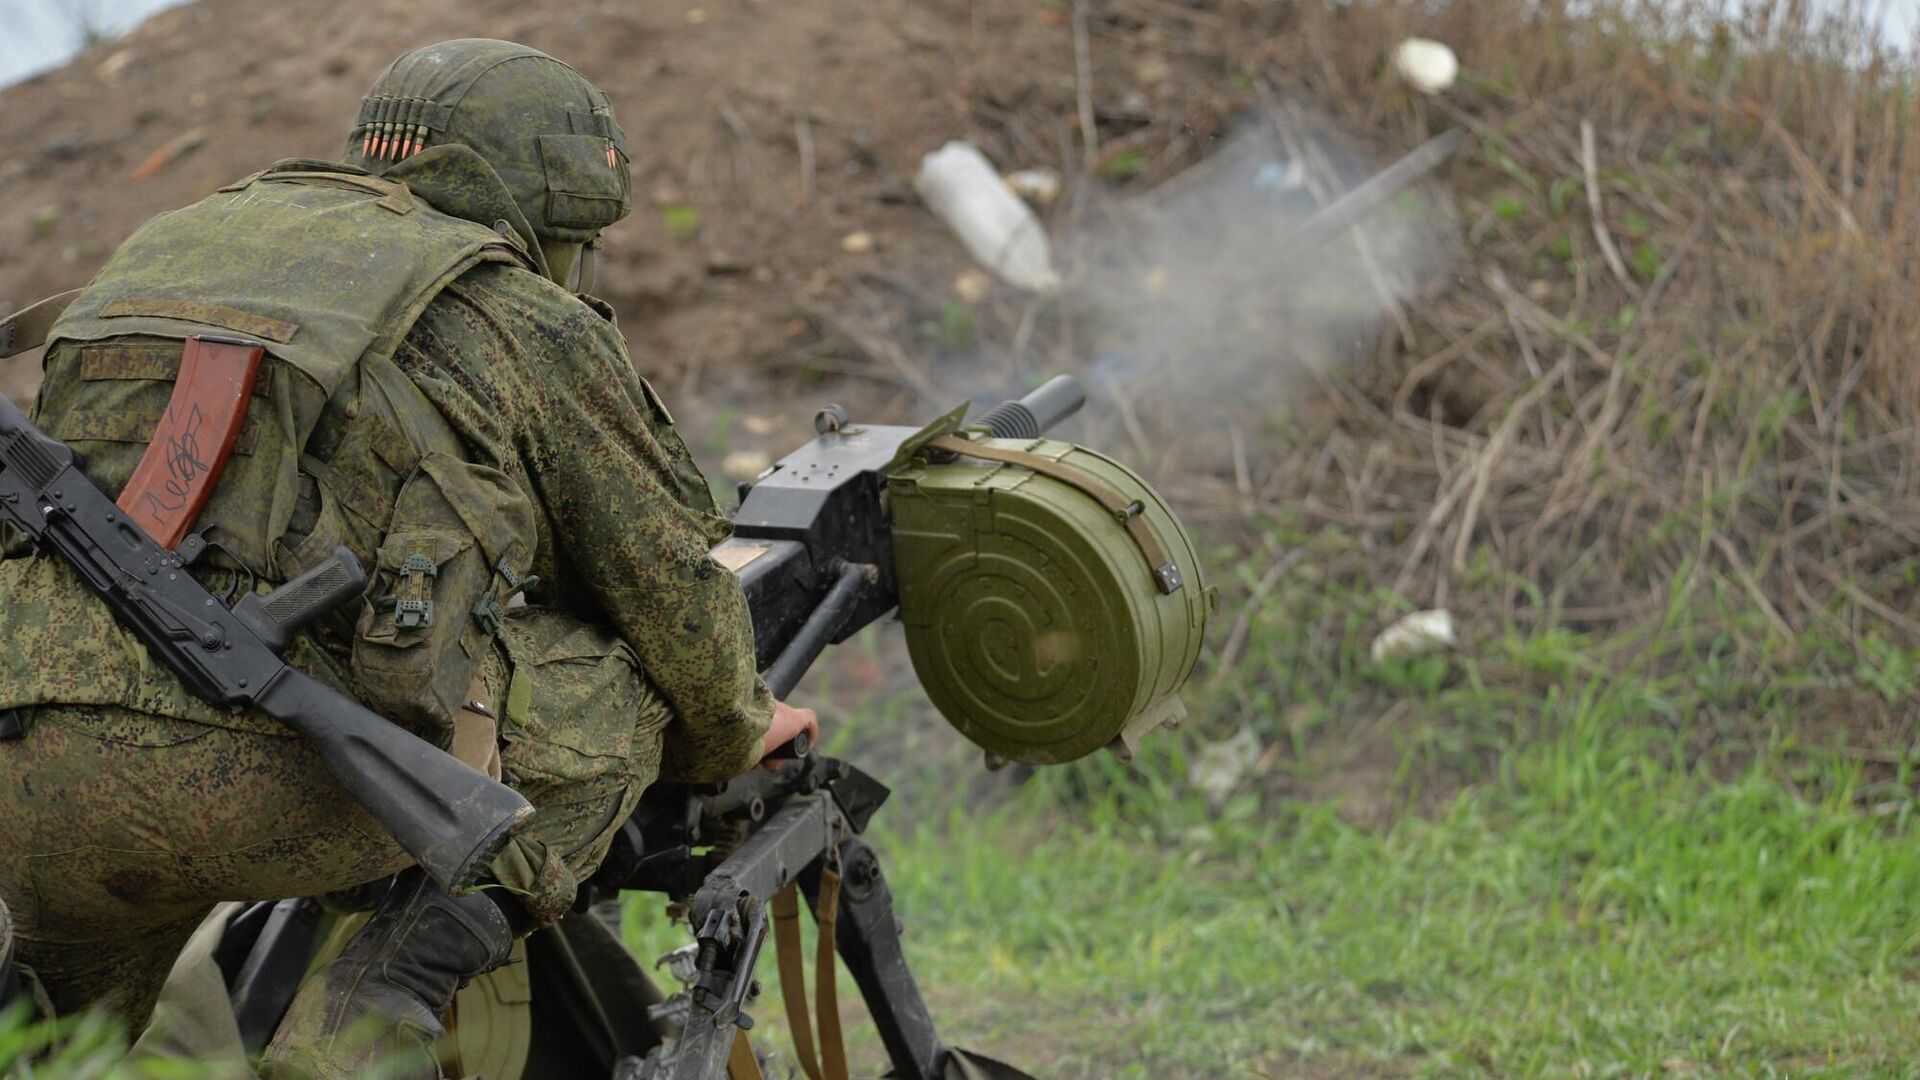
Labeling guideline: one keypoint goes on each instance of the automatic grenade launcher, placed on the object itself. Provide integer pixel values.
(1052, 605)
(1052, 602)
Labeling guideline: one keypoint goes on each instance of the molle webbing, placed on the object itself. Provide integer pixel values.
(327, 268)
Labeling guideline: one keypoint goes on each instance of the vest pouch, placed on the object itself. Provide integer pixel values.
(458, 546)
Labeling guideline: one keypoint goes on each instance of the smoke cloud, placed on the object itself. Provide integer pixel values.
(1213, 292)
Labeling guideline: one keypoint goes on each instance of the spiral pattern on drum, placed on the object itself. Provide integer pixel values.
(1033, 615)
(1020, 650)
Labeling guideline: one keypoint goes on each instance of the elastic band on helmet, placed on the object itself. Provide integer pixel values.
(395, 128)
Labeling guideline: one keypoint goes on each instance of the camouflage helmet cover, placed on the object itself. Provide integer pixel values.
(547, 132)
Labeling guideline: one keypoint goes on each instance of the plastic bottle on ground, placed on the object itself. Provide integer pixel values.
(999, 230)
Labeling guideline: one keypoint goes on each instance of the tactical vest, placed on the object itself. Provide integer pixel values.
(327, 268)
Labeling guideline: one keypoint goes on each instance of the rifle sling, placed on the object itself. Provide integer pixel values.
(1166, 576)
(27, 328)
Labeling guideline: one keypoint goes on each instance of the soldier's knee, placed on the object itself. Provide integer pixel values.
(581, 718)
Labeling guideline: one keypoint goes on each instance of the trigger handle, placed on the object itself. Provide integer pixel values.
(291, 608)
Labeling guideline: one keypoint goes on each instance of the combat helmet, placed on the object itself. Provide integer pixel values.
(546, 132)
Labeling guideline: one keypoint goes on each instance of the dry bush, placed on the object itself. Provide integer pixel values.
(1713, 369)
(1676, 358)
(1665, 398)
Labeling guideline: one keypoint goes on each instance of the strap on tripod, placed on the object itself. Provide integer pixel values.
(741, 1064)
(830, 1062)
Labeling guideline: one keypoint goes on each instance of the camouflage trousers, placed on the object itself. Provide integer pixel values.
(120, 830)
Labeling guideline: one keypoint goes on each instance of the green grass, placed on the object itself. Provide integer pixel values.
(81, 1048)
(1547, 863)
(1596, 899)
(1601, 910)
(1601, 913)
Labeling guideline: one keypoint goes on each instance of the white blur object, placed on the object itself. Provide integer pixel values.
(1280, 176)
(1417, 634)
(961, 186)
(1222, 767)
(1427, 65)
(1037, 186)
(972, 286)
(682, 963)
(745, 464)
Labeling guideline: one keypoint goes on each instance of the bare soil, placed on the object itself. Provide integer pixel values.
(786, 126)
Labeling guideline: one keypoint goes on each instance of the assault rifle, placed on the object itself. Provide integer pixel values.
(448, 816)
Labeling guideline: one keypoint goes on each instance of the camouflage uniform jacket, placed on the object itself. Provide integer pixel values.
(539, 386)
(536, 383)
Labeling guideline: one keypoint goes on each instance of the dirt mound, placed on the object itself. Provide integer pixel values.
(763, 133)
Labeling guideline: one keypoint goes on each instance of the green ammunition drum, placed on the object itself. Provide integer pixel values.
(1043, 623)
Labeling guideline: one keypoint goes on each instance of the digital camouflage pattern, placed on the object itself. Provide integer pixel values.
(122, 824)
(625, 517)
(329, 268)
(547, 133)
(132, 806)
(515, 374)
(123, 829)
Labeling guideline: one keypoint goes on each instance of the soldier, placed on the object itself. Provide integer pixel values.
(441, 397)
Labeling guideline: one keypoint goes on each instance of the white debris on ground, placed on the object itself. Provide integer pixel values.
(1037, 186)
(999, 231)
(1413, 635)
(1221, 767)
(972, 286)
(1427, 65)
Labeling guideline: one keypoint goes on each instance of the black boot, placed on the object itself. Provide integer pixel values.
(382, 1000)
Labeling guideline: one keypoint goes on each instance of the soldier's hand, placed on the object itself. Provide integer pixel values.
(787, 723)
